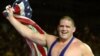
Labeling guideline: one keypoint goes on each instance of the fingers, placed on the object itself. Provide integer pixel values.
(6, 11)
(8, 6)
(9, 10)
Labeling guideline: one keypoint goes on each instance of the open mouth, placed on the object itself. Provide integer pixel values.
(63, 32)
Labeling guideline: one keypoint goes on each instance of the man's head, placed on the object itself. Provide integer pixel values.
(66, 27)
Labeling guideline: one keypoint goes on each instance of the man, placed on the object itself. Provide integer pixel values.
(63, 45)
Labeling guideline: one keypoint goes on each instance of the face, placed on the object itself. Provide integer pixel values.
(66, 29)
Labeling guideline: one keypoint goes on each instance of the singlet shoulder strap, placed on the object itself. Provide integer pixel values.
(66, 47)
(49, 53)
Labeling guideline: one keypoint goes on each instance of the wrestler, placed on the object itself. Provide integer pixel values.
(65, 44)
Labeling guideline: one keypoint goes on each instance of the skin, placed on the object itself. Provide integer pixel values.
(65, 30)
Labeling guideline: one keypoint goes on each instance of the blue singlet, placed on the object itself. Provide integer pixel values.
(63, 51)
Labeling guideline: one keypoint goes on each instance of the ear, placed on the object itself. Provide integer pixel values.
(74, 29)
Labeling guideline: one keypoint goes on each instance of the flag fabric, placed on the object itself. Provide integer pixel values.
(22, 8)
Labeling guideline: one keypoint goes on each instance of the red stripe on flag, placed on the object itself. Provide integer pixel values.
(17, 10)
(29, 22)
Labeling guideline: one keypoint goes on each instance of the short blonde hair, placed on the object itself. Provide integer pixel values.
(68, 18)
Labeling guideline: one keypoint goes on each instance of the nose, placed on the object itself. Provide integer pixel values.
(64, 28)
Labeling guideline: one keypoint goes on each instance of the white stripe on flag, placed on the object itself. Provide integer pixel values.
(22, 7)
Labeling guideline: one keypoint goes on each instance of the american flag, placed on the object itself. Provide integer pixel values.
(22, 8)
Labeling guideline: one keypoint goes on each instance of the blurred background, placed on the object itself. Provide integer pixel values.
(46, 13)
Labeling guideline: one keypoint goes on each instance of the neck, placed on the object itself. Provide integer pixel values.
(65, 40)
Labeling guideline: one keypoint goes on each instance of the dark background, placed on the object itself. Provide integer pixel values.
(46, 13)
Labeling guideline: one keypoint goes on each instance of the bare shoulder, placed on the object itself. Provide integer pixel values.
(86, 50)
(50, 39)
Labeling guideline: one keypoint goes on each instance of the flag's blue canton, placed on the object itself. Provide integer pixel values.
(27, 9)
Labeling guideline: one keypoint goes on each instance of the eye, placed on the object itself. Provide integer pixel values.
(67, 26)
(61, 25)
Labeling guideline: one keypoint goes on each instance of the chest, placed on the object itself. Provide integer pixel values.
(70, 51)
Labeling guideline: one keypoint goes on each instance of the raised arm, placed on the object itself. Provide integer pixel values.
(24, 30)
